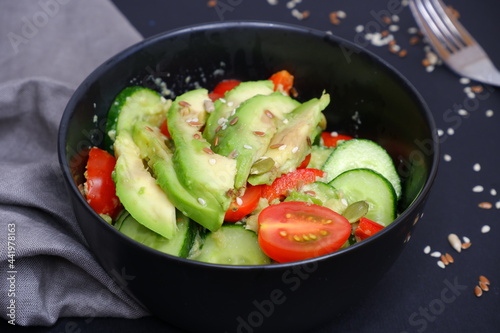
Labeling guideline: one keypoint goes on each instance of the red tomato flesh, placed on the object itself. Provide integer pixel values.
(221, 88)
(101, 190)
(366, 228)
(292, 230)
(283, 81)
(246, 204)
(293, 180)
(331, 139)
(305, 162)
(164, 129)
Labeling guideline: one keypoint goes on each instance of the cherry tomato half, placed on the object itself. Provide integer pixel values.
(101, 190)
(367, 228)
(331, 139)
(292, 180)
(293, 230)
(245, 204)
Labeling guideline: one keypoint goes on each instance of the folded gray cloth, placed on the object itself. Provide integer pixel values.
(46, 270)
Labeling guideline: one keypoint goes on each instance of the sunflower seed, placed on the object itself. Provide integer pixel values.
(455, 242)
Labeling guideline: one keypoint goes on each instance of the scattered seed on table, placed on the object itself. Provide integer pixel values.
(359, 28)
(455, 242)
(463, 112)
(478, 291)
(493, 192)
(484, 279)
(466, 239)
(447, 157)
(497, 205)
(476, 167)
(440, 132)
(412, 30)
(450, 259)
(450, 131)
(485, 229)
(485, 205)
(477, 189)
(464, 80)
(444, 260)
(489, 113)
(465, 246)
(436, 254)
(441, 264)
(483, 286)
(427, 249)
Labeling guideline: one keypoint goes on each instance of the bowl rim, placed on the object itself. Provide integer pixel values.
(256, 24)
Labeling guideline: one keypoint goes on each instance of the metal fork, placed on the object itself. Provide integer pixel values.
(452, 42)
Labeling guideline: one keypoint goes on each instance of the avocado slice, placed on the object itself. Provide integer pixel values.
(292, 141)
(249, 131)
(135, 187)
(206, 212)
(207, 176)
(224, 108)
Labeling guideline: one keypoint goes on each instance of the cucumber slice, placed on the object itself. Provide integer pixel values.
(362, 153)
(179, 246)
(232, 245)
(372, 187)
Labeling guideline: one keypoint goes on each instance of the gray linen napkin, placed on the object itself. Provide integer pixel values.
(47, 48)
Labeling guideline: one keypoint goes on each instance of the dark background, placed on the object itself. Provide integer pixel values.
(415, 295)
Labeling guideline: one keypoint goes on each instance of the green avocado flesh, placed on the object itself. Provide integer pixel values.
(135, 186)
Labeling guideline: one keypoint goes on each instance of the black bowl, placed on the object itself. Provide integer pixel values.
(369, 99)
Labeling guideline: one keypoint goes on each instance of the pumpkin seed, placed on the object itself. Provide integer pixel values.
(356, 210)
(262, 165)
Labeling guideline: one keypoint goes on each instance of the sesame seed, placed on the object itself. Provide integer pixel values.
(464, 80)
(450, 131)
(497, 205)
(447, 157)
(247, 147)
(489, 113)
(441, 264)
(341, 14)
(412, 30)
(465, 246)
(484, 280)
(259, 133)
(269, 114)
(427, 249)
(184, 104)
(202, 202)
(477, 189)
(212, 161)
(276, 146)
(485, 229)
(393, 28)
(466, 239)
(477, 167)
(440, 132)
(239, 202)
(463, 112)
(222, 100)
(359, 28)
(209, 106)
(471, 95)
(282, 147)
(429, 68)
(295, 149)
(436, 254)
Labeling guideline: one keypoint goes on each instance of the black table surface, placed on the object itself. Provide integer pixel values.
(416, 295)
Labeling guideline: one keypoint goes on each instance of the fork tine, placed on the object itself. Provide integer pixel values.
(444, 24)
